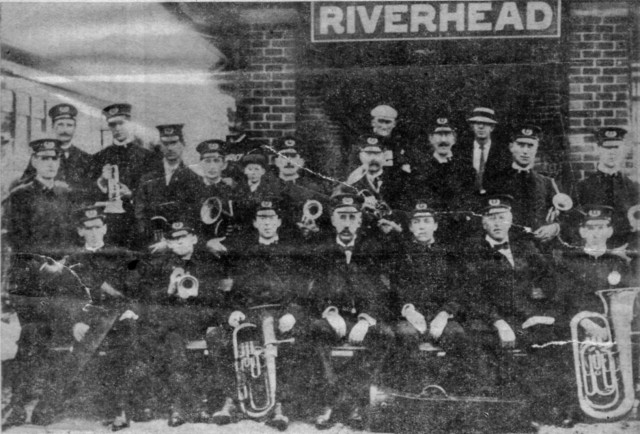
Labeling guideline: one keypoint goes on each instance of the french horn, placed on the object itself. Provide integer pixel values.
(604, 365)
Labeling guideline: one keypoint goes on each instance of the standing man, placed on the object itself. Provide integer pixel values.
(74, 162)
(608, 186)
(132, 161)
(169, 192)
(487, 157)
(532, 193)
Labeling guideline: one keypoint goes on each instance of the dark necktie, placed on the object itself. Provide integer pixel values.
(501, 246)
(480, 173)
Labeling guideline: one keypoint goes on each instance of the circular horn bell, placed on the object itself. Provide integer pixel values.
(562, 202)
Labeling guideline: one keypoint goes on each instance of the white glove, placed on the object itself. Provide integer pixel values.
(536, 320)
(415, 318)
(335, 320)
(176, 274)
(286, 322)
(507, 337)
(359, 331)
(236, 318)
(596, 332)
(54, 267)
(215, 246)
(386, 226)
(160, 246)
(226, 285)
(79, 331)
(437, 325)
(129, 314)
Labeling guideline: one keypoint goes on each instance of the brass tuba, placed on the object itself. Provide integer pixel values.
(604, 365)
(113, 205)
(255, 364)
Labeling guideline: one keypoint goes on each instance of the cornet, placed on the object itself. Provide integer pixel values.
(113, 205)
(561, 202)
(311, 211)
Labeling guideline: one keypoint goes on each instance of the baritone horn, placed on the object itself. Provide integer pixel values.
(604, 365)
(255, 364)
(311, 211)
(113, 205)
(212, 210)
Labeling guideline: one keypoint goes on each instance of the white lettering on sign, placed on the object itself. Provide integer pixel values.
(397, 20)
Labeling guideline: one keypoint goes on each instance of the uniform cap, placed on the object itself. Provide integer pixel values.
(62, 111)
(89, 213)
(171, 131)
(268, 207)
(442, 125)
(527, 134)
(422, 209)
(51, 147)
(610, 136)
(384, 112)
(287, 144)
(345, 201)
(483, 115)
(254, 158)
(179, 229)
(596, 212)
(211, 146)
(369, 141)
(491, 204)
(113, 110)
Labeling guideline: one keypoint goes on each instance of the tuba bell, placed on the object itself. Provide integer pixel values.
(113, 205)
(255, 364)
(311, 210)
(604, 364)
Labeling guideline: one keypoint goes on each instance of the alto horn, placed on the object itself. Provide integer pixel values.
(255, 366)
(113, 205)
(188, 286)
(212, 210)
(311, 211)
(604, 366)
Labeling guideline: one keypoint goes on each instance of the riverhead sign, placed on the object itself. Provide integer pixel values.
(350, 21)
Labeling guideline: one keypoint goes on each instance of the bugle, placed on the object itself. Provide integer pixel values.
(604, 363)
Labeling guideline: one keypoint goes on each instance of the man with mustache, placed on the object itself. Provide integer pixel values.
(608, 185)
(169, 191)
(532, 192)
(445, 181)
(350, 301)
(74, 162)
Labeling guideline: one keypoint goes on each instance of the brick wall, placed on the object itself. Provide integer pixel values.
(599, 73)
(267, 86)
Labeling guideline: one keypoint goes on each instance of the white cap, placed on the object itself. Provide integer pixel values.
(384, 112)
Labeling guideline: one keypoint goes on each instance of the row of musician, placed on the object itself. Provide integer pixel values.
(365, 273)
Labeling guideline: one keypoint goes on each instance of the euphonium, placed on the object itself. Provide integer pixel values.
(113, 205)
(212, 210)
(256, 366)
(604, 367)
(311, 211)
(188, 286)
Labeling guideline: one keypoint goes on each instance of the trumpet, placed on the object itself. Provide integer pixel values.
(604, 367)
(255, 365)
(311, 211)
(113, 205)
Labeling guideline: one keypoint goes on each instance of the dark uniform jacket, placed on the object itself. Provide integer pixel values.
(227, 192)
(616, 191)
(268, 189)
(393, 188)
(294, 195)
(394, 145)
(533, 195)
(425, 276)
(190, 316)
(155, 198)
(495, 290)
(37, 218)
(498, 160)
(133, 161)
(354, 288)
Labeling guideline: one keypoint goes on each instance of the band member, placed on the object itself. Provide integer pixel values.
(509, 301)
(532, 193)
(445, 181)
(74, 162)
(486, 157)
(608, 186)
(170, 191)
(132, 161)
(36, 214)
(350, 301)
(184, 294)
(262, 268)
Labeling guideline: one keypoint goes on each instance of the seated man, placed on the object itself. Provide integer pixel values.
(349, 300)
(184, 289)
(264, 272)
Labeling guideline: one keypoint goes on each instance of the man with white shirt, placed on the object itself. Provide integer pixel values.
(132, 162)
(168, 191)
(487, 157)
(608, 186)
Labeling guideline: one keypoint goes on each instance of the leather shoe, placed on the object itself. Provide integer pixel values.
(120, 422)
(355, 419)
(202, 417)
(323, 421)
(15, 416)
(42, 414)
(176, 419)
(279, 420)
(223, 416)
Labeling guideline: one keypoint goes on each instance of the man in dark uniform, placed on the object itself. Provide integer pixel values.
(184, 298)
(132, 161)
(509, 289)
(445, 181)
(36, 214)
(351, 302)
(168, 192)
(608, 186)
(486, 157)
(74, 162)
(257, 186)
(533, 207)
(265, 271)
